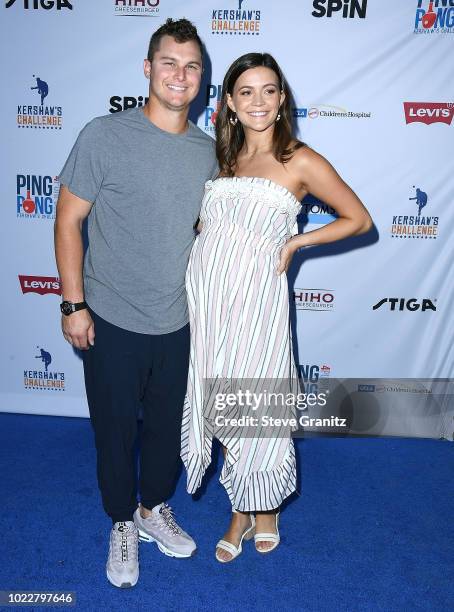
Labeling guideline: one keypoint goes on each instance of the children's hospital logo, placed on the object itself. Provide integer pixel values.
(239, 21)
(416, 225)
(40, 116)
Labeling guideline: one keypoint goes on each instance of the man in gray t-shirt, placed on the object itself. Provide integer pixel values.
(139, 176)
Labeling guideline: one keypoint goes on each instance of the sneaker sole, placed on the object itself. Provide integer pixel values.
(123, 585)
(146, 537)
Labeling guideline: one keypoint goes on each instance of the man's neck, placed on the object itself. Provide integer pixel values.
(173, 121)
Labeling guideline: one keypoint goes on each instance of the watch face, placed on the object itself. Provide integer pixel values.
(66, 308)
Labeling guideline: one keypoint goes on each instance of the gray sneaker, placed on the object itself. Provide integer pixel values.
(161, 527)
(123, 562)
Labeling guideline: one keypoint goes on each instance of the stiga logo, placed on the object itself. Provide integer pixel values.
(136, 8)
(43, 4)
(44, 379)
(327, 111)
(403, 304)
(348, 9)
(36, 196)
(40, 284)
(314, 299)
(316, 211)
(429, 112)
(118, 103)
(314, 376)
(40, 116)
(240, 20)
(212, 104)
(438, 21)
(417, 225)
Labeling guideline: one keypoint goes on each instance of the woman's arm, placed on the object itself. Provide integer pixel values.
(318, 177)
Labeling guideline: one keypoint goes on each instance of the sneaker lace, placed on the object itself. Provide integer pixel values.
(169, 521)
(124, 545)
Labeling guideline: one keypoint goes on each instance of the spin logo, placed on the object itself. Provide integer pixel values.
(47, 5)
(39, 115)
(136, 8)
(212, 106)
(434, 17)
(36, 196)
(348, 9)
(119, 103)
(428, 112)
(314, 376)
(319, 300)
(44, 378)
(416, 225)
(241, 20)
(316, 212)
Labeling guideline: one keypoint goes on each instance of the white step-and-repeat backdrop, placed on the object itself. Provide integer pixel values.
(372, 84)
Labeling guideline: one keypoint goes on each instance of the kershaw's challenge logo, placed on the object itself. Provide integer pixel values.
(40, 284)
(429, 112)
(438, 21)
(136, 8)
(40, 116)
(241, 20)
(44, 379)
(415, 226)
(36, 196)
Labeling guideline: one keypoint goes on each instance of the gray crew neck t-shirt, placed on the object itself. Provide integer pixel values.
(146, 186)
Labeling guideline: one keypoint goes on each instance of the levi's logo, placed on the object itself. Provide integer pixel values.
(429, 112)
(40, 284)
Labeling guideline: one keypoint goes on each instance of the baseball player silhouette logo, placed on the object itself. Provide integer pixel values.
(45, 358)
(42, 87)
(421, 199)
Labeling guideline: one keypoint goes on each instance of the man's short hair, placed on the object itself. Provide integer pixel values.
(181, 30)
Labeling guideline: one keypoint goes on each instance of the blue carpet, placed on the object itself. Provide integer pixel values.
(372, 529)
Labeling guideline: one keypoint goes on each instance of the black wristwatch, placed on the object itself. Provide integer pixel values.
(68, 308)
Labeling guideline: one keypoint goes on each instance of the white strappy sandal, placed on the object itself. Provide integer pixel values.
(231, 548)
(274, 538)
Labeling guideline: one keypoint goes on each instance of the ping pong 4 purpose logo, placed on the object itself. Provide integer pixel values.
(429, 112)
(36, 196)
(434, 17)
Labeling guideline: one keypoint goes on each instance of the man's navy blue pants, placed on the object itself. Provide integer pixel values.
(125, 371)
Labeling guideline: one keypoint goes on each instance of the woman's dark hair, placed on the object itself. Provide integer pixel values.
(230, 138)
(181, 30)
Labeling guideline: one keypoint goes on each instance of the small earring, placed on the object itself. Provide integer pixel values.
(278, 117)
(232, 120)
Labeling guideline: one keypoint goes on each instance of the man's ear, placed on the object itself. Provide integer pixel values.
(147, 68)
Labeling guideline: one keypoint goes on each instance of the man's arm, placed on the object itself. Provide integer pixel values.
(78, 327)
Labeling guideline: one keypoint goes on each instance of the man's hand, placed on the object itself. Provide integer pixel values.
(78, 329)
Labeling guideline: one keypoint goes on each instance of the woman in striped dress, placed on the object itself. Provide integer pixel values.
(238, 294)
